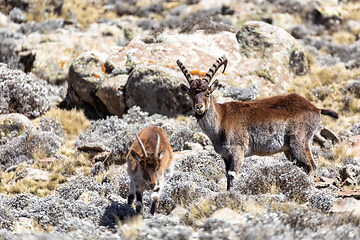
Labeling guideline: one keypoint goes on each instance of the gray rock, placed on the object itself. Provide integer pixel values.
(13, 125)
(229, 215)
(37, 175)
(241, 94)
(328, 134)
(348, 174)
(155, 92)
(349, 206)
(17, 15)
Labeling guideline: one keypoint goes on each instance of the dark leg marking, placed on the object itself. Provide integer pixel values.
(131, 198)
(229, 165)
(138, 199)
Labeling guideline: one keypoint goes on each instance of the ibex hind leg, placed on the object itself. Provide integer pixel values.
(303, 157)
(233, 164)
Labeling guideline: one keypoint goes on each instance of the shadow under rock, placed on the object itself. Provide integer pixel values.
(114, 213)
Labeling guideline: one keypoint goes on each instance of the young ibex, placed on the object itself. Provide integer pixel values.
(149, 158)
(262, 127)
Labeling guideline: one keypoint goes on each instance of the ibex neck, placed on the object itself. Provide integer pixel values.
(210, 120)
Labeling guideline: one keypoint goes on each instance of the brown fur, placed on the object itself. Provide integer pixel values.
(147, 171)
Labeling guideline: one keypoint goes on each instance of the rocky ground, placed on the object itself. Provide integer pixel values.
(79, 79)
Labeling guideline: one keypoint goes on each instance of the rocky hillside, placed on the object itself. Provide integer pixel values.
(79, 79)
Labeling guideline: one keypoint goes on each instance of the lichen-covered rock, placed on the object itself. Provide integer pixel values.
(92, 83)
(13, 125)
(277, 54)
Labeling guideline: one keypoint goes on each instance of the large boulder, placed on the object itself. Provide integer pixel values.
(276, 55)
(93, 86)
(153, 84)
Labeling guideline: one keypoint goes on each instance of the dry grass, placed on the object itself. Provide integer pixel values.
(85, 12)
(343, 37)
(74, 121)
(334, 77)
(131, 228)
(255, 208)
(353, 9)
(58, 170)
(342, 151)
(200, 212)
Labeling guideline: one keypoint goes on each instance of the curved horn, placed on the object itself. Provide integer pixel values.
(219, 62)
(142, 146)
(157, 147)
(185, 71)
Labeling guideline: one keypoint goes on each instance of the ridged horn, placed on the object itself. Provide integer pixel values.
(157, 147)
(142, 146)
(219, 62)
(185, 71)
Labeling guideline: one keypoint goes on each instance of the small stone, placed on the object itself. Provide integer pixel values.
(347, 174)
(345, 205)
(93, 146)
(229, 215)
(23, 225)
(179, 211)
(37, 175)
(328, 134)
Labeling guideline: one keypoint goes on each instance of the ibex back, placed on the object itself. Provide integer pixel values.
(262, 127)
(149, 159)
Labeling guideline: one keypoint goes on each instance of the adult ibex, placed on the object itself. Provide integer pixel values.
(149, 158)
(262, 127)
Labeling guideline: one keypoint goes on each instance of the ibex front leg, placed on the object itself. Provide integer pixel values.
(232, 164)
(138, 202)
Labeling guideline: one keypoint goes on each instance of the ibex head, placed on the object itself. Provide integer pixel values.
(200, 89)
(149, 163)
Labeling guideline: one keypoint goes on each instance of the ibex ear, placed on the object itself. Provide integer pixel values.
(135, 155)
(162, 153)
(184, 88)
(214, 85)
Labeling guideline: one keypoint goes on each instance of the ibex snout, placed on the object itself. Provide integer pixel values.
(199, 107)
